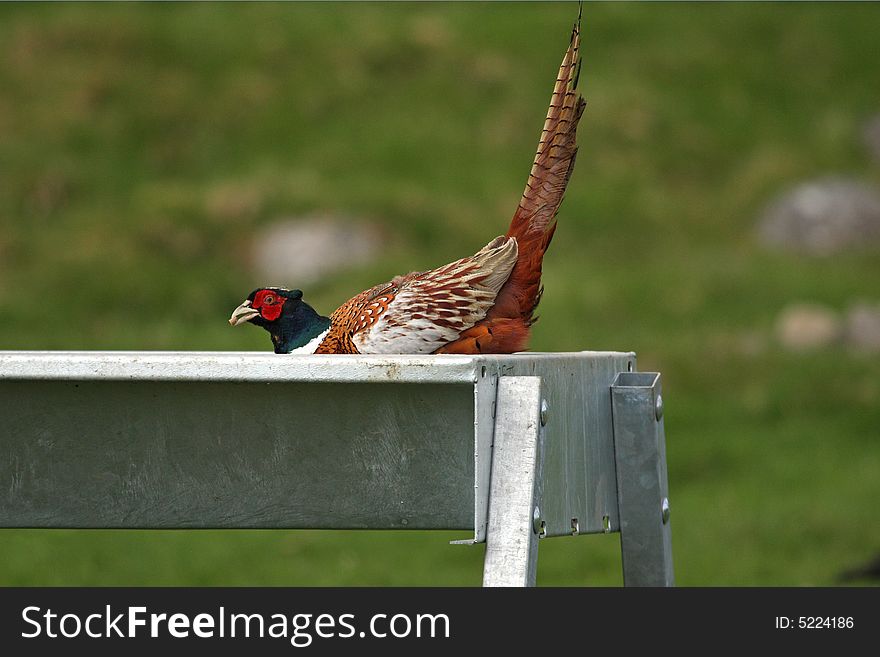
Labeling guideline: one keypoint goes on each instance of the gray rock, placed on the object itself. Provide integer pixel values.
(823, 217)
(298, 252)
(871, 137)
(863, 327)
(805, 327)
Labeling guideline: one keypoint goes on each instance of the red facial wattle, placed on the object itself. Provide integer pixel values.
(269, 303)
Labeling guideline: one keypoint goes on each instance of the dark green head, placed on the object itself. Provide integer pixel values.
(290, 321)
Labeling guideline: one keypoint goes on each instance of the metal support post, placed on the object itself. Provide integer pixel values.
(642, 488)
(515, 521)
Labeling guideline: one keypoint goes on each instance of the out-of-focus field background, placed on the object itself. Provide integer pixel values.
(143, 147)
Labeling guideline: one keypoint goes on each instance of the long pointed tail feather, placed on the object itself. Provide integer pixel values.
(534, 221)
(557, 149)
(506, 326)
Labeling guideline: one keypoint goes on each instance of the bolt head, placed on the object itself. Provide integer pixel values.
(658, 407)
(664, 510)
(545, 408)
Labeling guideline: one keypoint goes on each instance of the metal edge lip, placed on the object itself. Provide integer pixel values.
(261, 367)
(234, 366)
(636, 380)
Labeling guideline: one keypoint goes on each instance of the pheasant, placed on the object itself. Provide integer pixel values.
(481, 304)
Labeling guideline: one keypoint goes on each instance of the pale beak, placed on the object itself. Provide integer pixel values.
(243, 313)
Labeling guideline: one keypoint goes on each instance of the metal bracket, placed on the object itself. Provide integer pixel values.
(642, 487)
(516, 489)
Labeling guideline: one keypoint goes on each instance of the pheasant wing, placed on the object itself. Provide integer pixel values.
(421, 312)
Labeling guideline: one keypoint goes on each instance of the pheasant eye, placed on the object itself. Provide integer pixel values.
(269, 299)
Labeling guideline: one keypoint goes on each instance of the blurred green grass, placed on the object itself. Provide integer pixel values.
(141, 146)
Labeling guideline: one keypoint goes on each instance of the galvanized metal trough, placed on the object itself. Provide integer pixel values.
(512, 447)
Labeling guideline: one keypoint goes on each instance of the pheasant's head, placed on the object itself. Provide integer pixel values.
(290, 321)
(264, 306)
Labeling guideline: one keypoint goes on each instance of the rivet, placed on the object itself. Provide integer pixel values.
(538, 524)
(658, 408)
(544, 410)
(664, 510)
(606, 524)
(575, 527)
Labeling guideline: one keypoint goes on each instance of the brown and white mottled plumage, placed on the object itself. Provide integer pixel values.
(481, 304)
(421, 312)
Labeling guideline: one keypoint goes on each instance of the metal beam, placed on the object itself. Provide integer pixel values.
(162, 454)
(256, 439)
